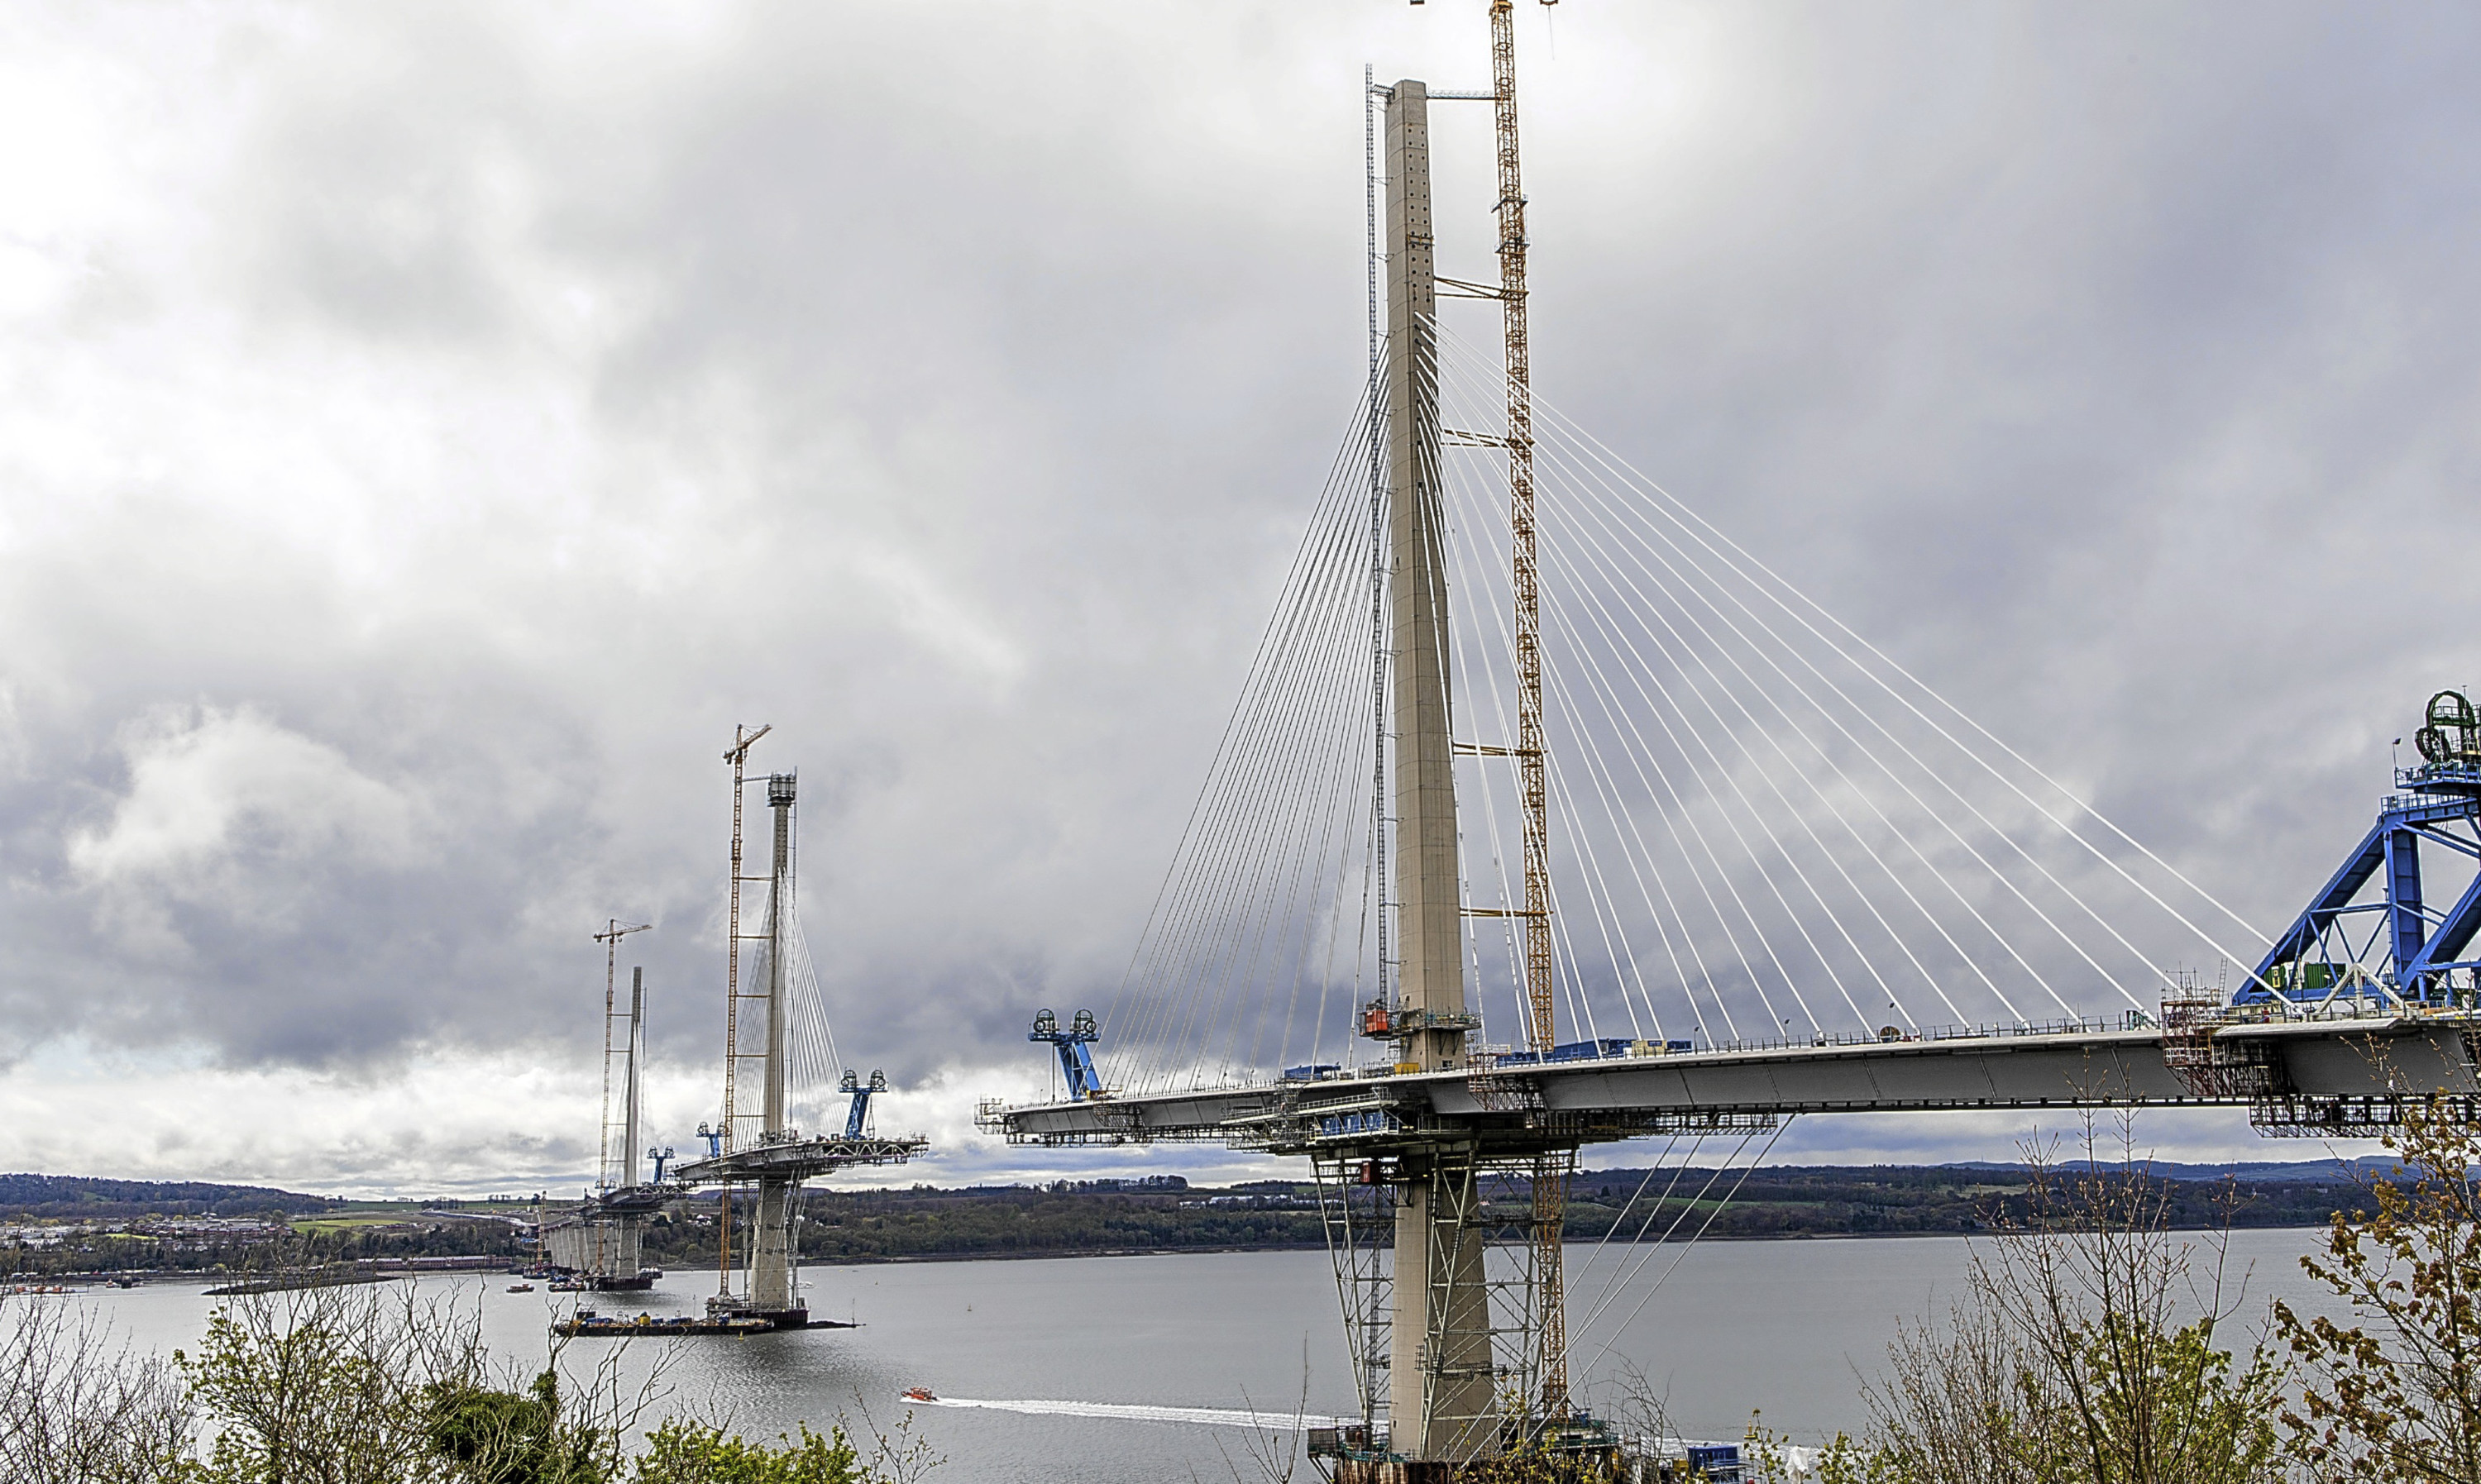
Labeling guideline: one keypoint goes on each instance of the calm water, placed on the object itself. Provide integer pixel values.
(1124, 1370)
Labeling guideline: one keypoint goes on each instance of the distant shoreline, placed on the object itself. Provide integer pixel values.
(1106, 1218)
(147, 1276)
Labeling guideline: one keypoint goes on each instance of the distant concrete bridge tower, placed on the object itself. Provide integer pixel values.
(771, 1257)
(763, 1153)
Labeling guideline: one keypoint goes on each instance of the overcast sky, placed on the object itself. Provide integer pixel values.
(429, 428)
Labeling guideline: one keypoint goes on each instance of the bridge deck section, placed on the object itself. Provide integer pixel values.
(2364, 1062)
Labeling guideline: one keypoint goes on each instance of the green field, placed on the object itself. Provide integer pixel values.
(358, 1217)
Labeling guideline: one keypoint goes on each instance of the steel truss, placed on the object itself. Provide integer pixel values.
(1484, 1337)
(1359, 1211)
(2408, 952)
(2308, 1116)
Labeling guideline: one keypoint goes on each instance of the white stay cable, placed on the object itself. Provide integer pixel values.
(1770, 776)
(1154, 1047)
(1688, 519)
(1940, 776)
(1656, 1286)
(1638, 677)
(1606, 915)
(1629, 1272)
(1799, 816)
(1897, 778)
(1455, 540)
(1680, 812)
(1795, 769)
(1604, 910)
(1611, 1279)
(1600, 766)
(1591, 756)
(1995, 828)
(1224, 877)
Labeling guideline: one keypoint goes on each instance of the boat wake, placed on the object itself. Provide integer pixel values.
(1197, 1417)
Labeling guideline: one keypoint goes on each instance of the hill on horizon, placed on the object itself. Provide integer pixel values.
(79, 1195)
(2252, 1171)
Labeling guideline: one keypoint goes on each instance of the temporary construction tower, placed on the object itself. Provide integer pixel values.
(598, 1242)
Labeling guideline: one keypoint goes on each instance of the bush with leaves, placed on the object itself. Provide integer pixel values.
(2395, 1393)
(364, 1385)
(319, 1384)
(691, 1453)
(2090, 1350)
(515, 1438)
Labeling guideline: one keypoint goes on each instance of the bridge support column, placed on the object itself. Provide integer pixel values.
(1429, 918)
(633, 1081)
(771, 1251)
(1440, 1385)
(2408, 927)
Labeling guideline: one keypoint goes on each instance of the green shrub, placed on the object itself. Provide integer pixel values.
(691, 1453)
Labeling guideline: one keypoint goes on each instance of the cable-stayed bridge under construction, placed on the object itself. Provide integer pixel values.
(1550, 816)
(774, 1026)
(779, 1046)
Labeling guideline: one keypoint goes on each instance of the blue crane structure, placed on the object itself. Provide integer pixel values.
(1075, 1046)
(857, 1117)
(2409, 953)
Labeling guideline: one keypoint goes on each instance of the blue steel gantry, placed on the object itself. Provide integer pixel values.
(1075, 1046)
(857, 1117)
(2408, 953)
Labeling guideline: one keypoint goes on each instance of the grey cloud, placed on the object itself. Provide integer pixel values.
(506, 412)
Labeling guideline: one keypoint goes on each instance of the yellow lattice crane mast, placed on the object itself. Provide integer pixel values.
(1550, 1170)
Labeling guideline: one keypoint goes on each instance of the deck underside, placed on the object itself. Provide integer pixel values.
(797, 1160)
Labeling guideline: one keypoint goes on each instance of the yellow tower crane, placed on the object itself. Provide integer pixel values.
(1550, 1170)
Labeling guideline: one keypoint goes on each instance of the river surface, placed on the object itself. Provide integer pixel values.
(1142, 1370)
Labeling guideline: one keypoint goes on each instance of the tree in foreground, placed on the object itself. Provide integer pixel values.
(2090, 1348)
(360, 1384)
(78, 1408)
(2392, 1391)
(691, 1453)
